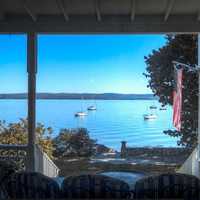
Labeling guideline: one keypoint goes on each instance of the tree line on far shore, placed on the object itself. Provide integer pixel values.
(89, 96)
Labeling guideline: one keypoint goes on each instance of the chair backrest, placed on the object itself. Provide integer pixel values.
(168, 186)
(94, 186)
(7, 168)
(31, 185)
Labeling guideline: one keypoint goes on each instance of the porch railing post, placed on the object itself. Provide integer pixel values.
(32, 70)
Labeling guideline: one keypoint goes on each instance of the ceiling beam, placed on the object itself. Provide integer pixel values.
(120, 24)
(97, 9)
(198, 16)
(198, 11)
(170, 4)
(133, 9)
(2, 14)
(29, 10)
(61, 6)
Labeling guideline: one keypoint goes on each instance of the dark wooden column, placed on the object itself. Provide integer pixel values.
(32, 70)
(197, 164)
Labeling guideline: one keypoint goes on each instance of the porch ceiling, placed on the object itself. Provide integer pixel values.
(99, 16)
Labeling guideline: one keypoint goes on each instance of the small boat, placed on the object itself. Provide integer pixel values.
(150, 116)
(153, 107)
(92, 108)
(80, 114)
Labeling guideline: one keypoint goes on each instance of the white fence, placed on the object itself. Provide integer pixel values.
(191, 165)
(44, 164)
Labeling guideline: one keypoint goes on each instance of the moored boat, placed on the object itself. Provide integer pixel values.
(153, 107)
(80, 114)
(92, 108)
(150, 116)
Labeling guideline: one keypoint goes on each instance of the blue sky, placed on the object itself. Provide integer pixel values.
(79, 63)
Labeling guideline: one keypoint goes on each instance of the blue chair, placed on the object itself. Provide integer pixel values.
(7, 168)
(168, 186)
(31, 185)
(94, 186)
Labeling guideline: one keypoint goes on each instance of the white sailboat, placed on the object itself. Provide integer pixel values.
(153, 107)
(163, 108)
(150, 116)
(93, 107)
(81, 113)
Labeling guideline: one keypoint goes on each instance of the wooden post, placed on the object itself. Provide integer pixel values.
(32, 70)
(198, 156)
(123, 149)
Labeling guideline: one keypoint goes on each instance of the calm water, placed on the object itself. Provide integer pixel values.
(114, 121)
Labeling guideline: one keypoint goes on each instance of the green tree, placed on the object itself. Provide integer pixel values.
(160, 73)
(17, 133)
(74, 143)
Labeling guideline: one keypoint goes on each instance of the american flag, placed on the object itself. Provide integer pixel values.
(177, 99)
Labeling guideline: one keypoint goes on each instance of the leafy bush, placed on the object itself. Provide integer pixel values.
(17, 133)
(69, 142)
(73, 143)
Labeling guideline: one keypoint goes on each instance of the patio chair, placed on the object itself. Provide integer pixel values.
(7, 168)
(168, 186)
(94, 186)
(31, 185)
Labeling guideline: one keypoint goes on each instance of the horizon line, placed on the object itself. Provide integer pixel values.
(78, 93)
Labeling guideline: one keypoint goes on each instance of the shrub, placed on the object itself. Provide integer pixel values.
(17, 133)
(74, 143)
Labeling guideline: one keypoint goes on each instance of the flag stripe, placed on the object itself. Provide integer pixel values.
(177, 100)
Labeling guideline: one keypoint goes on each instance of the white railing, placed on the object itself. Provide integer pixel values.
(191, 165)
(44, 164)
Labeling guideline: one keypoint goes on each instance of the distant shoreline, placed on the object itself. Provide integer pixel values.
(85, 96)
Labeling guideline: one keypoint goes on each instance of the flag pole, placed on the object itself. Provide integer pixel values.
(196, 68)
